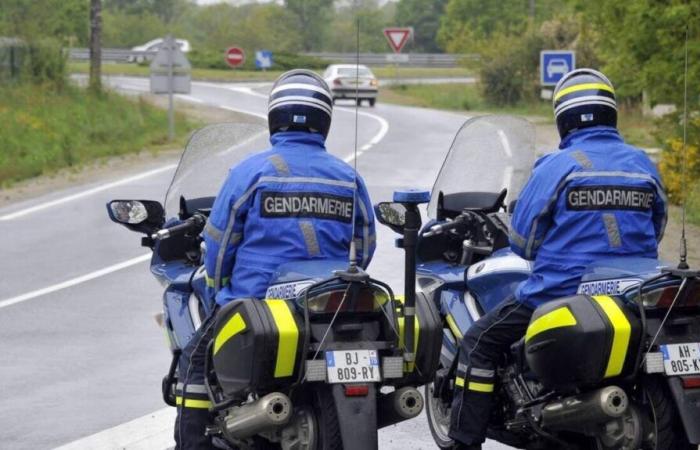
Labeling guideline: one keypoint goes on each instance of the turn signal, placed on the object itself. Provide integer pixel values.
(356, 390)
(374, 83)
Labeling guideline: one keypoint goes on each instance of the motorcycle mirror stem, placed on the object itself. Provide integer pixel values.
(410, 199)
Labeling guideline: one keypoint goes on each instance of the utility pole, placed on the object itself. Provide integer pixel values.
(532, 9)
(96, 45)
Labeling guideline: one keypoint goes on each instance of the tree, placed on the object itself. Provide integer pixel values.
(60, 19)
(313, 20)
(424, 16)
(95, 45)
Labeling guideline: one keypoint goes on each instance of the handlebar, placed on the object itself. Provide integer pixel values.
(447, 226)
(195, 222)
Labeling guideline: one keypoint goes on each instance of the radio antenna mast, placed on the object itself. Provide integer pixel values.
(683, 264)
(353, 246)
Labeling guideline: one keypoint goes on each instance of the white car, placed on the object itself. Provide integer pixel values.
(557, 65)
(352, 82)
(154, 46)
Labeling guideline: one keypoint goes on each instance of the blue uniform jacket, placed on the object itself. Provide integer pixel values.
(292, 202)
(595, 198)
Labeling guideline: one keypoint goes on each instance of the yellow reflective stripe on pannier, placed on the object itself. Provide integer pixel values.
(453, 326)
(480, 387)
(235, 325)
(560, 317)
(584, 87)
(622, 330)
(193, 403)
(288, 337)
(459, 381)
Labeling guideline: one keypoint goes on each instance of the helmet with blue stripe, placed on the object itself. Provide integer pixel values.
(584, 98)
(300, 100)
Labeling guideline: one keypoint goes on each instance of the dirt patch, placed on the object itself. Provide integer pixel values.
(125, 165)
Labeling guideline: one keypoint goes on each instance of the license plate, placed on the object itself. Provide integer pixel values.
(352, 366)
(681, 359)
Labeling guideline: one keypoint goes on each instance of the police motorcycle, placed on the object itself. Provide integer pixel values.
(615, 367)
(320, 363)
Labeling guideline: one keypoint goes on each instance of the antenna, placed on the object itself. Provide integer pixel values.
(683, 264)
(353, 247)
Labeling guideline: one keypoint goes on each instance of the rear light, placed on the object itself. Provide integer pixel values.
(336, 82)
(368, 299)
(374, 83)
(691, 382)
(356, 390)
(663, 297)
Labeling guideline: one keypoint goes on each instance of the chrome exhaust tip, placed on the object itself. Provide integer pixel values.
(270, 411)
(577, 412)
(402, 404)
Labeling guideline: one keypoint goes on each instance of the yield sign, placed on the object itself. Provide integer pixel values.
(397, 37)
(235, 56)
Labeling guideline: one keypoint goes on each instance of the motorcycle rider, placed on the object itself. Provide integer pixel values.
(292, 202)
(596, 197)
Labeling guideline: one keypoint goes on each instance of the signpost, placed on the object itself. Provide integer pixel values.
(170, 74)
(263, 59)
(397, 38)
(234, 57)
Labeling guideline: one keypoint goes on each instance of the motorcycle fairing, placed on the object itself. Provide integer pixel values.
(494, 279)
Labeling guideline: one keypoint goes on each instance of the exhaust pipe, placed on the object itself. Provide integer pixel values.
(577, 412)
(402, 404)
(267, 412)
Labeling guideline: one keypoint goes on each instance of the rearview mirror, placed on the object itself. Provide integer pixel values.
(392, 215)
(144, 216)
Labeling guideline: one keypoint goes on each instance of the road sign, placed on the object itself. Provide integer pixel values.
(235, 56)
(554, 64)
(397, 37)
(263, 59)
(170, 56)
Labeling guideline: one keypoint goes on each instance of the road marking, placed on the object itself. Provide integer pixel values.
(69, 198)
(507, 177)
(242, 111)
(152, 431)
(75, 281)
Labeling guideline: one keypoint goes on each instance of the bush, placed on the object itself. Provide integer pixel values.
(209, 59)
(46, 63)
(671, 163)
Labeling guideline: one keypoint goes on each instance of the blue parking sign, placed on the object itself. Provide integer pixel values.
(554, 64)
(263, 59)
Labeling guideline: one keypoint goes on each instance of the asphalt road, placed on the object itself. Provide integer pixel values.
(80, 350)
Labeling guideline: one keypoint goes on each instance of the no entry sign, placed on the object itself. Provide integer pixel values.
(397, 37)
(234, 56)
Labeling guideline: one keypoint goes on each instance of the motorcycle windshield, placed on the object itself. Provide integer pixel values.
(210, 153)
(488, 153)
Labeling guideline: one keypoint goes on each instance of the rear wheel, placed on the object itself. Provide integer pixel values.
(438, 412)
(372, 101)
(326, 417)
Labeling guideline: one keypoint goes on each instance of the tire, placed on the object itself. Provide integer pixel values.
(438, 418)
(372, 101)
(670, 434)
(328, 435)
(359, 102)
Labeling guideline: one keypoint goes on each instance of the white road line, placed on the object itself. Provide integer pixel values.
(507, 177)
(74, 281)
(230, 108)
(152, 431)
(104, 187)
(506, 145)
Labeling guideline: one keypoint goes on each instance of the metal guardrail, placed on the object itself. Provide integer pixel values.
(405, 59)
(371, 59)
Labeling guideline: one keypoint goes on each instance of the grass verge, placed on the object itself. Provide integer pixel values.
(638, 130)
(270, 75)
(45, 130)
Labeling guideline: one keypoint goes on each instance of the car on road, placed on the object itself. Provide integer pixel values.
(557, 66)
(154, 46)
(352, 82)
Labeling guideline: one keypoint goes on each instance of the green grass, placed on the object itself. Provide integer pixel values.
(45, 130)
(458, 97)
(270, 75)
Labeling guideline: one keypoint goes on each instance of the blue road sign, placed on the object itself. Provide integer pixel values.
(263, 59)
(554, 64)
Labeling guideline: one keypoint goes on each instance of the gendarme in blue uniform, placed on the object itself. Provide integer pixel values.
(292, 202)
(592, 200)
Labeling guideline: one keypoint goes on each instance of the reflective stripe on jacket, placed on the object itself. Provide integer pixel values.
(595, 198)
(292, 202)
